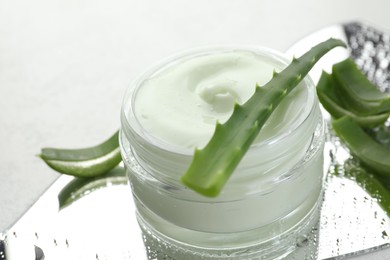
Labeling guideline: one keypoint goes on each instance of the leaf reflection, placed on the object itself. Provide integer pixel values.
(80, 187)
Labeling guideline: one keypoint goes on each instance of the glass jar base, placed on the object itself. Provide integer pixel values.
(280, 246)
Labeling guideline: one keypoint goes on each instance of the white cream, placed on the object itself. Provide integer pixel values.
(181, 103)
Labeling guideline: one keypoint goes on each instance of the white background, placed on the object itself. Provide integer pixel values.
(65, 64)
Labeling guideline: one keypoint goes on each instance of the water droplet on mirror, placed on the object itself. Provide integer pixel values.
(385, 235)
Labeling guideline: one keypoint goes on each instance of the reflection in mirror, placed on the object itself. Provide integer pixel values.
(80, 187)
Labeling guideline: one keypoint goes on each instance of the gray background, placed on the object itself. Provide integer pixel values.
(65, 64)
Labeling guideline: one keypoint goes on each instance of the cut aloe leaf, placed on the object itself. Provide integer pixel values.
(212, 166)
(84, 153)
(80, 187)
(86, 162)
(330, 100)
(326, 85)
(358, 93)
(363, 146)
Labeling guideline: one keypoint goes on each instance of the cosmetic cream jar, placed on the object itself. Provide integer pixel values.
(271, 201)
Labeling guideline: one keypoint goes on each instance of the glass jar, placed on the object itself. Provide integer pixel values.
(270, 202)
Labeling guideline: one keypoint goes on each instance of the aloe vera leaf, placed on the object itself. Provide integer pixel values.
(86, 162)
(326, 84)
(80, 187)
(336, 111)
(359, 94)
(84, 153)
(212, 166)
(363, 146)
(326, 92)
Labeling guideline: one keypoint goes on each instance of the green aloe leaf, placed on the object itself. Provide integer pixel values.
(212, 166)
(86, 162)
(327, 91)
(359, 95)
(373, 154)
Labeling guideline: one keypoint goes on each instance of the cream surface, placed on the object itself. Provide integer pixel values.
(181, 102)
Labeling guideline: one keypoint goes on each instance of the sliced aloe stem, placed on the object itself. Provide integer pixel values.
(326, 85)
(330, 100)
(84, 153)
(86, 162)
(358, 93)
(212, 166)
(370, 152)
